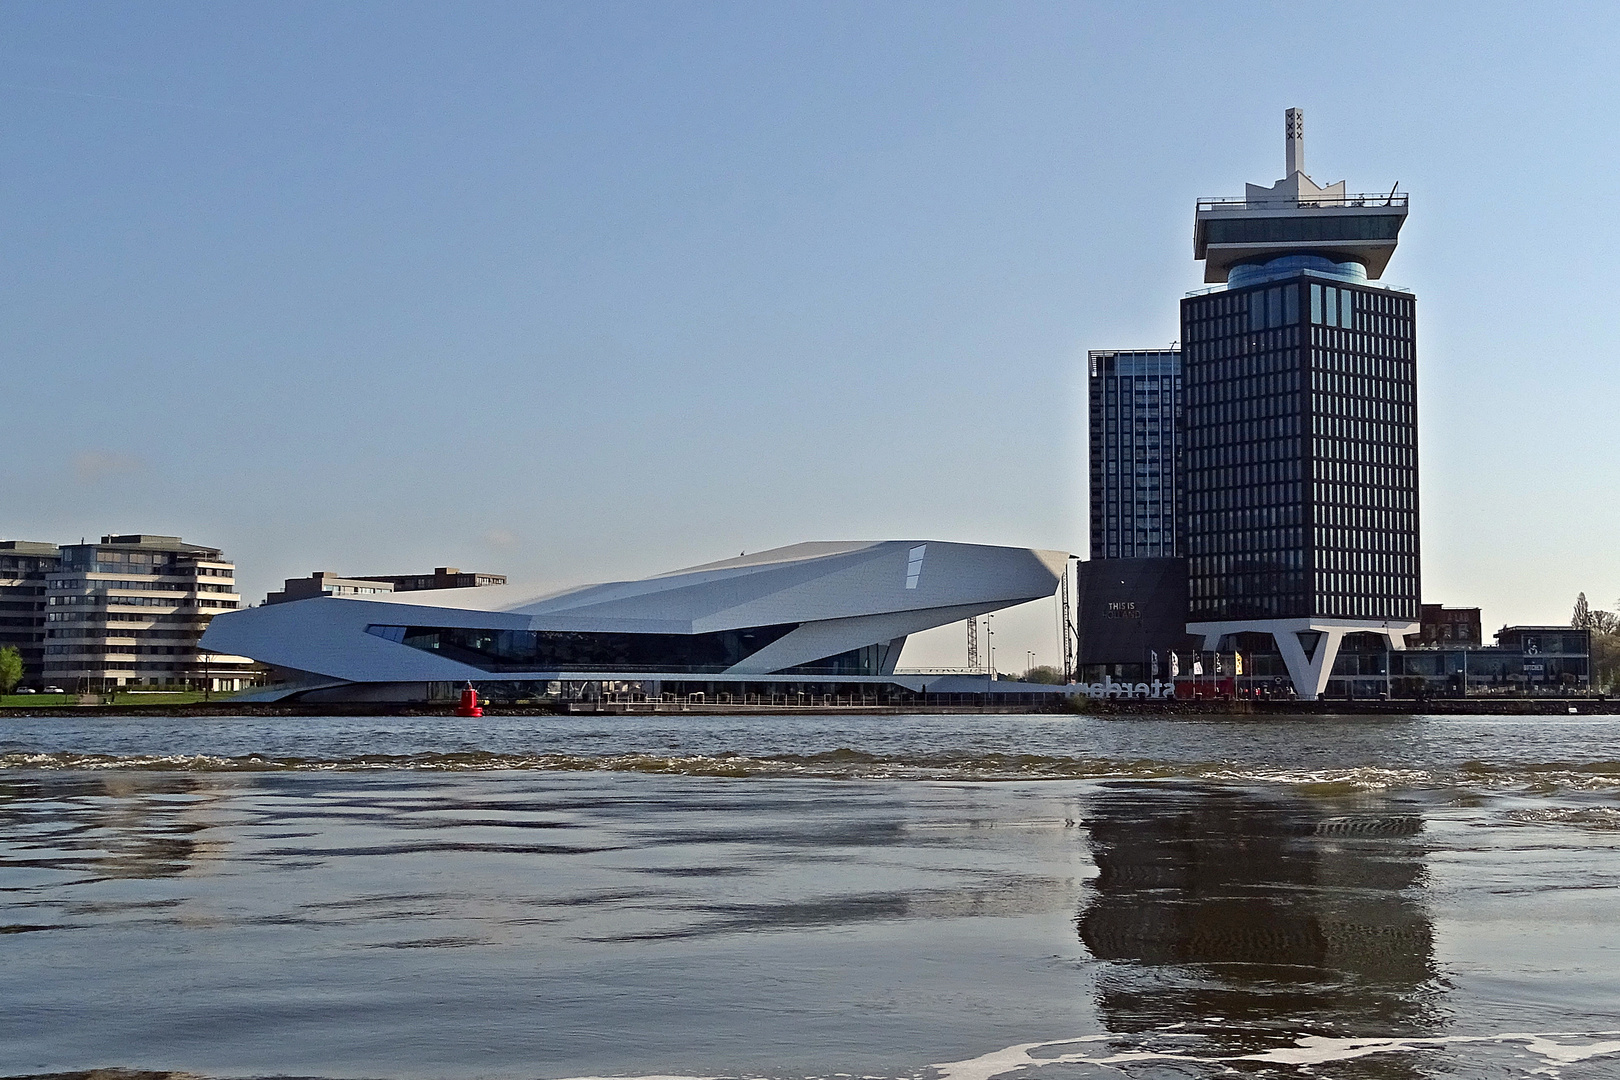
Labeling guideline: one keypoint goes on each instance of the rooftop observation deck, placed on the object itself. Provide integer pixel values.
(1297, 216)
(1360, 227)
(1379, 200)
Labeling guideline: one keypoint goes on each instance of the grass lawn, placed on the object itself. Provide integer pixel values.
(179, 697)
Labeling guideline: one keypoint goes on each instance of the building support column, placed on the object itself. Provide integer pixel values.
(1308, 673)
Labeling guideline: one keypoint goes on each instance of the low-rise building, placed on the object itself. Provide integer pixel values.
(1548, 660)
(1449, 625)
(326, 583)
(1132, 619)
(23, 567)
(129, 611)
(443, 577)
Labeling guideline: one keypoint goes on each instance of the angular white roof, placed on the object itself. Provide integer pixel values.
(838, 595)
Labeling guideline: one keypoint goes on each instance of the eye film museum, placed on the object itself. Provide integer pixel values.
(795, 625)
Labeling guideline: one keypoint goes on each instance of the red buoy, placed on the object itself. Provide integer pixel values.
(469, 703)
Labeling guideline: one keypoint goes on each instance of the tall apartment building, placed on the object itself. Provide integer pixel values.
(1301, 404)
(1134, 401)
(130, 610)
(23, 569)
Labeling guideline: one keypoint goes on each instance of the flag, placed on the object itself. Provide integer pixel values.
(1220, 664)
(1237, 663)
(1175, 666)
(1153, 663)
(1198, 666)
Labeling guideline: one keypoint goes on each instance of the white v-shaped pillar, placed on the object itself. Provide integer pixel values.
(1308, 672)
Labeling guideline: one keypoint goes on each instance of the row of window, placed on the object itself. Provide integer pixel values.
(1233, 312)
(1282, 453)
(119, 650)
(1150, 364)
(1338, 536)
(116, 562)
(1364, 346)
(1219, 565)
(132, 586)
(1243, 435)
(1362, 472)
(1217, 534)
(1249, 354)
(73, 667)
(1365, 431)
(1358, 495)
(1274, 382)
(1363, 383)
(1331, 516)
(1331, 449)
(1365, 606)
(93, 599)
(1281, 499)
(1337, 407)
(1253, 406)
(1274, 469)
(1367, 562)
(97, 632)
(98, 617)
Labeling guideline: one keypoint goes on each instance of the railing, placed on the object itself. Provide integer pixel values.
(1382, 198)
(940, 671)
(1306, 272)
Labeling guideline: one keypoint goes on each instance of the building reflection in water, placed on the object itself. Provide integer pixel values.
(1255, 917)
(110, 825)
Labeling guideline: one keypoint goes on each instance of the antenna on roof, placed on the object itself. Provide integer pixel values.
(1294, 123)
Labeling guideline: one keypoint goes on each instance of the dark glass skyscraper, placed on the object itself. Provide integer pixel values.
(1302, 452)
(1137, 499)
(1300, 382)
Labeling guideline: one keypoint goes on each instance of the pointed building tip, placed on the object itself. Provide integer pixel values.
(1294, 131)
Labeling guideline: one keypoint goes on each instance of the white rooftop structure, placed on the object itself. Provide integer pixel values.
(1296, 216)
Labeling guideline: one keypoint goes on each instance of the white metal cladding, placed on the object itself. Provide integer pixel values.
(843, 596)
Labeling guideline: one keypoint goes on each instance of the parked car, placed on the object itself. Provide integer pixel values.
(54, 690)
(26, 690)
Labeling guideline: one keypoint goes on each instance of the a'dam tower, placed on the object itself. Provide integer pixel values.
(1300, 387)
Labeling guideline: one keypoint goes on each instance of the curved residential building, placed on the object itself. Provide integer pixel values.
(809, 616)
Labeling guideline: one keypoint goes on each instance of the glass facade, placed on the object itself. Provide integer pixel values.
(1135, 454)
(1301, 452)
(562, 650)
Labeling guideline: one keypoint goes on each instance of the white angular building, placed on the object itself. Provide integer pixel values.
(797, 620)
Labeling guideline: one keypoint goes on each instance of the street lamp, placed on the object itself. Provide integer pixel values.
(990, 639)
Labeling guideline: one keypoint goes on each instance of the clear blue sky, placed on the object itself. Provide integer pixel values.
(598, 290)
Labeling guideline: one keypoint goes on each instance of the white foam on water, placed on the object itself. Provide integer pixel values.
(1308, 1050)
(1013, 1058)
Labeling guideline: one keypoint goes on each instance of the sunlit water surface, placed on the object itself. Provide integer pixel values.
(935, 897)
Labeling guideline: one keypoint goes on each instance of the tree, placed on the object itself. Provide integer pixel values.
(1604, 630)
(11, 669)
(1045, 673)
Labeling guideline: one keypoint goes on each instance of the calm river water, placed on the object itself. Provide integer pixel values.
(941, 898)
